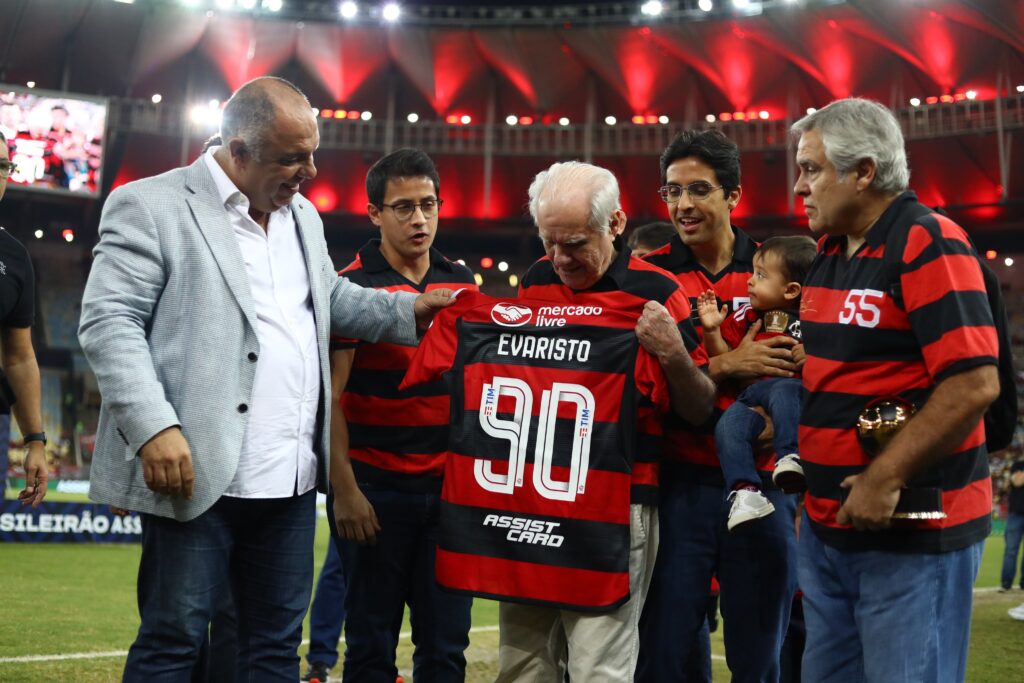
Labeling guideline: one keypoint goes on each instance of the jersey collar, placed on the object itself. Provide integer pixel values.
(374, 262)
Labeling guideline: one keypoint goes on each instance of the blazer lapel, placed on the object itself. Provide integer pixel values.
(310, 239)
(211, 216)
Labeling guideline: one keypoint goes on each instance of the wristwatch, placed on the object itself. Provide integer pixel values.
(37, 436)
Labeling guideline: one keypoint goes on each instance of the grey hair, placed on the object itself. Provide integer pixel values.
(854, 129)
(565, 177)
(251, 111)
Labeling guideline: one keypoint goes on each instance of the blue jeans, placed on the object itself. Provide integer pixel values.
(886, 617)
(398, 570)
(259, 549)
(327, 613)
(739, 426)
(756, 568)
(1013, 537)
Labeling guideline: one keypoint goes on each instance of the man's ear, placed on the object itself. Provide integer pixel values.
(791, 292)
(373, 211)
(240, 151)
(733, 198)
(617, 224)
(865, 171)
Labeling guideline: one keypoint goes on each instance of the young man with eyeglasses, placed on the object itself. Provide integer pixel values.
(755, 566)
(388, 446)
(17, 355)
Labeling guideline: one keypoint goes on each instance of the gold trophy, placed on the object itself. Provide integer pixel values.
(877, 424)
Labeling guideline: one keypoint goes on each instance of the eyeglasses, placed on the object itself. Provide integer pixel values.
(405, 210)
(7, 168)
(670, 194)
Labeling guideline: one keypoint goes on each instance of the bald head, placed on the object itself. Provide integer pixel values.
(254, 109)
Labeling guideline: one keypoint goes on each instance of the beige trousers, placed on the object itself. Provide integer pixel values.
(602, 647)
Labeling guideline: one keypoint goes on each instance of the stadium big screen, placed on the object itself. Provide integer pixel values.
(55, 140)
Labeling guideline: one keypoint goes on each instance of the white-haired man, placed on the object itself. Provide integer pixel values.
(206, 319)
(887, 599)
(579, 219)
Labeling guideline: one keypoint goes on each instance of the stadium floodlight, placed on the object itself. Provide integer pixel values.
(273, 5)
(651, 8)
(31, 84)
(513, 280)
(915, 101)
(741, 4)
(764, 114)
(157, 98)
(511, 119)
(705, 5)
(502, 266)
(811, 110)
(564, 121)
(348, 9)
(413, 117)
(1020, 88)
(366, 115)
(466, 119)
(971, 94)
(225, 4)
(610, 120)
(662, 119)
(247, 4)
(1008, 261)
(710, 118)
(38, 234)
(391, 12)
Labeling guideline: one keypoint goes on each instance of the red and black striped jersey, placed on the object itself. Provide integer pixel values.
(627, 285)
(773, 324)
(691, 449)
(862, 344)
(397, 439)
(535, 504)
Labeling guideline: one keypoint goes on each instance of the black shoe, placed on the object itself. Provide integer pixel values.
(1003, 589)
(317, 671)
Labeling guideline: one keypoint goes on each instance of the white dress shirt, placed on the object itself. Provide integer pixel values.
(277, 458)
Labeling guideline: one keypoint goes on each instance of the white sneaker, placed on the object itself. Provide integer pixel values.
(1017, 612)
(748, 505)
(789, 474)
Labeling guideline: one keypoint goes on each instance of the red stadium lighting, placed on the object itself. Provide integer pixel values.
(340, 114)
(739, 115)
(946, 98)
(764, 114)
(638, 119)
(451, 118)
(327, 113)
(725, 116)
(651, 118)
(991, 254)
(486, 262)
(526, 120)
(931, 100)
(353, 115)
(68, 234)
(466, 119)
(959, 97)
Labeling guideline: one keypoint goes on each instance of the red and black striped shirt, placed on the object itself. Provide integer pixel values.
(690, 450)
(861, 345)
(397, 439)
(627, 285)
(546, 397)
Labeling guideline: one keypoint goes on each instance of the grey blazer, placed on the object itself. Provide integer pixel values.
(169, 327)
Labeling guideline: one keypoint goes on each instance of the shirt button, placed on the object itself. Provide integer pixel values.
(252, 356)
(243, 408)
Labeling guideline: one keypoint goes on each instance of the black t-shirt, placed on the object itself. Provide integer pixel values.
(17, 283)
(1017, 492)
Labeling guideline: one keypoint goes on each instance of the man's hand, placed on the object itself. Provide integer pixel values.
(871, 500)
(428, 304)
(711, 317)
(658, 332)
(355, 517)
(752, 359)
(167, 464)
(35, 475)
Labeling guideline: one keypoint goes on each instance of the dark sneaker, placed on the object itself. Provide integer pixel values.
(317, 671)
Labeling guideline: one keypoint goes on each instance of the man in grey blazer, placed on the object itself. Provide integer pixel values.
(206, 319)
